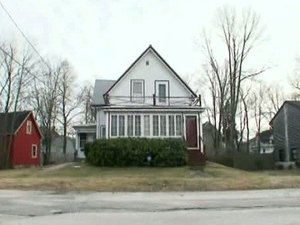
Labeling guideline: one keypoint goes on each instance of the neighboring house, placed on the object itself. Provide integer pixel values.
(84, 133)
(286, 131)
(25, 135)
(264, 140)
(57, 155)
(148, 100)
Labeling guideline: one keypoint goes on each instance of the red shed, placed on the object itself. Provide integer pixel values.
(25, 136)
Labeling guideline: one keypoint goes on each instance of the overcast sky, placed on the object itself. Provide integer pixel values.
(101, 38)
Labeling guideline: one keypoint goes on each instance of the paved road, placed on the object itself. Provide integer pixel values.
(77, 208)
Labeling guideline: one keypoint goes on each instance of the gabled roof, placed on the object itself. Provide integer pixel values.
(100, 88)
(296, 104)
(6, 121)
(162, 59)
(264, 136)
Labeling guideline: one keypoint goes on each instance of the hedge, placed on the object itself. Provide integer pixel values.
(137, 152)
(246, 161)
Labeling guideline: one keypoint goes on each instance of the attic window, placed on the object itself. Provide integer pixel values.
(147, 63)
(28, 127)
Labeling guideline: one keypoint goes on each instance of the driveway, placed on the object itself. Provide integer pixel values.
(76, 208)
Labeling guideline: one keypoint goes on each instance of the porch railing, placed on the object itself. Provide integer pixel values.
(153, 100)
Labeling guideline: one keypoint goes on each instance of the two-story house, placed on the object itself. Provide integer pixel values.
(148, 100)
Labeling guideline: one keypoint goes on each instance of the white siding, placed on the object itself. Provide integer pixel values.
(156, 70)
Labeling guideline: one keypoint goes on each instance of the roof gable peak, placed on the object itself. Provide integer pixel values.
(156, 54)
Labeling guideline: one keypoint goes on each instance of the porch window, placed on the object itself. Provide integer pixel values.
(137, 123)
(82, 140)
(147, 125)
(171, 126)
(102, 131)
(155, 125)
(130, 125)
(121, 125)
(163, 125)
(114, 125)
(137, 91)
(178, 126)
(34, 151)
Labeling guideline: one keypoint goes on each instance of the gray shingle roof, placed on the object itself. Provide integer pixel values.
(100, 88)
(6, 121)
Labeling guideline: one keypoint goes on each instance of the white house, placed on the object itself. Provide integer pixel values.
(148, 100)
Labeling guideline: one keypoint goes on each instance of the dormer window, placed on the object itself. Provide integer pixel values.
(137, 91)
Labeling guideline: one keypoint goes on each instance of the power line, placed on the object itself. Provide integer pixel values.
(20, 64)
(23, 34)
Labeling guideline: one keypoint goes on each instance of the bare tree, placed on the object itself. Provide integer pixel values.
(15, 72)
(44, 99)
(87, 91)
(239, 35)
(69, 100)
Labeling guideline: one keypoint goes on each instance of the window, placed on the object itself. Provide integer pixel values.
(130, 125)
(137, 124)
(147, 125)
(163, 125)
(114, 125)
(34, 151)
(137, 91)
(121, 125)
(162, 94)
(178, 126)
(171, 126)
(28, 127)
(102, 131)
(155, 125)
(82, 140)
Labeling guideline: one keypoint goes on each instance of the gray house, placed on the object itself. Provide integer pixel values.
(262, 143)
(286, 131)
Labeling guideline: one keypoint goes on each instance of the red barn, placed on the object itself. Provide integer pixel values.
(22, 129)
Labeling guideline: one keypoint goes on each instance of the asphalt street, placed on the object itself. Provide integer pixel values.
(227, 207)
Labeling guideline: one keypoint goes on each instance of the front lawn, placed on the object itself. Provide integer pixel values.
(80, 176)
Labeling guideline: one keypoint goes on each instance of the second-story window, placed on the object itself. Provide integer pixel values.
(162, 92)
(137, 91)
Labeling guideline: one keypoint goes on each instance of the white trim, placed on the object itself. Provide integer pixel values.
(29, 127)
(142, 115)
(166, 83)
(36, 153)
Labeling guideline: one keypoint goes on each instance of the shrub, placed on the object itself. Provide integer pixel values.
(136, 152)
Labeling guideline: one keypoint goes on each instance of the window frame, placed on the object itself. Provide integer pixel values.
(34, 147)
(111, 125)
(161, 125)
(157, 83)
(119, 126)
(140, 99)
(29, 127)
(149, 125)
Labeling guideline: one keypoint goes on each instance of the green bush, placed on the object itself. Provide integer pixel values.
(136, 152)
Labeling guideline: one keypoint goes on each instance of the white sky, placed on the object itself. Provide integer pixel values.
(101, 38)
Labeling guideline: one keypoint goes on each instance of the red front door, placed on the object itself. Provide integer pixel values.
(191, 131)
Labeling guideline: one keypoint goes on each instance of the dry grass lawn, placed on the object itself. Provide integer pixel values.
(80, 176)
